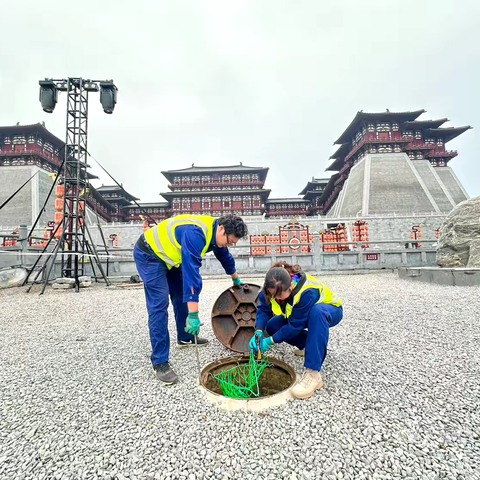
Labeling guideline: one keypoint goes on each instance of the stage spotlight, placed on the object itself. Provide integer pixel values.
(108, 96)
(48, 95)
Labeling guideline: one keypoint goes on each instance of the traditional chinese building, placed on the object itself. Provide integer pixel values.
(146, 211)
(119, 198)
(312, 193)
(287, 207)
(217, 191)
(32, 151)
(392, 163)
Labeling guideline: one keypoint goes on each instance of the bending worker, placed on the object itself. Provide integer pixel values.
(296, 308)
(168, 259)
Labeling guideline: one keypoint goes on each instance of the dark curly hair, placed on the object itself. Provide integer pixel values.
(279, 278)
(234, 225)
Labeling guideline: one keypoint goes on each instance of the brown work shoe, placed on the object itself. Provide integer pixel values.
(299, 353)
(165, 373)
(311, 381)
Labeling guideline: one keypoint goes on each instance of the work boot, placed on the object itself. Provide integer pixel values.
(299, 353)
(165, 373)
(191, 343)
(311, 381)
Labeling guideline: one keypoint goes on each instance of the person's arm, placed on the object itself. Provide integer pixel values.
(226, 259)
(193, 242)
(298, 319)
(264, 312)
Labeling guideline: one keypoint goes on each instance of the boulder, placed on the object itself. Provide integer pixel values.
(459, 236)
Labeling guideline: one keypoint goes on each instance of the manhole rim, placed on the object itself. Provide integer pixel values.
(251, 404)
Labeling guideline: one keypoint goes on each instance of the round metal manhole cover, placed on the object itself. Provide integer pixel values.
(233, 316)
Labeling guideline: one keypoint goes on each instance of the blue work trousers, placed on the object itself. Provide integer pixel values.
(314, 339)
(159, 282)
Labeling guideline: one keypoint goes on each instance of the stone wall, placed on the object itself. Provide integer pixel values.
(395, 187)
(453, 185)
(24, 207)
(435, 186)
(19, 210)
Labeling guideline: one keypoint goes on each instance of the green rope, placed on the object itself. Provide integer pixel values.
(241, 381)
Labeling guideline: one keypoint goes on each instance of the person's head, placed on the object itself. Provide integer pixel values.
(230, 230)
(278, 281)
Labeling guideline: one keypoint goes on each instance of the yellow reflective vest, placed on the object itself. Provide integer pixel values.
(326, 296)
(161, 237)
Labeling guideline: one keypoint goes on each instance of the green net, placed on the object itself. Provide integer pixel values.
(241, 381)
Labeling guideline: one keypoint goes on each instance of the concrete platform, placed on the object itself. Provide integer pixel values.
(442, 276)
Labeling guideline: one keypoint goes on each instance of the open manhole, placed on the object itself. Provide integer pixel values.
(275, 384)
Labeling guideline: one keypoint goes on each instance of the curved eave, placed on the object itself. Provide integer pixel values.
(342, 150)
(420, 124)
(447, 133)
(313, 194)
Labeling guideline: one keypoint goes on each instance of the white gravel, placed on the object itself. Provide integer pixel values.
(401, 396)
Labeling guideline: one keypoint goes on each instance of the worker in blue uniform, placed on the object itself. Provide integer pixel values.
(296, 308)
(168, 259)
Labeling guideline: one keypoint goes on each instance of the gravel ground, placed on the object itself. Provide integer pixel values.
(401, 396)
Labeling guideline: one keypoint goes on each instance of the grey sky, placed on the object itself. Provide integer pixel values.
(265, 82)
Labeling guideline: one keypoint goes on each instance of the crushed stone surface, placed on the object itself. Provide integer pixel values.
(401, 399)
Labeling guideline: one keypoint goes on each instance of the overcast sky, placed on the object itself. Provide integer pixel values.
(264, 82)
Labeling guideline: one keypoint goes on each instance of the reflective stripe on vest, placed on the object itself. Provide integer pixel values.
(326, 296)
(161, 237)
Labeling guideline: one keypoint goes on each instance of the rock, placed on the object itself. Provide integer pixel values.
(62, 286)
(84, 278)
(459, 236)
(85, 284)
(64, 281)
(13, 277)
(135, 279)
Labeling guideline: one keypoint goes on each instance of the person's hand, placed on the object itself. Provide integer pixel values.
(252, 344)
(265, 343)
(236, 280)
(193, 323)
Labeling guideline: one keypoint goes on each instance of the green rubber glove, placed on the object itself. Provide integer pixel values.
(193, 323)
(236, 280)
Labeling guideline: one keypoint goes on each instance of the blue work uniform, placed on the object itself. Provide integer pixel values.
(183, 283)
(307, 327)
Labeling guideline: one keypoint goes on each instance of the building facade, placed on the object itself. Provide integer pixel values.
(32, 151)
(217, 191)
(399, 135)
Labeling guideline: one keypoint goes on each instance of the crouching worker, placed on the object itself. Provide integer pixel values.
(168, 259)
(296, 308)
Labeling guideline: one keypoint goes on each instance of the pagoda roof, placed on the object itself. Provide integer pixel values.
(336, 165)
(287, 200)
(420, 124)
(330, 186)
(149, 205)
(34, 128)
(313, 182)
(215, 193)
(216, 169)
(114, 189)
(342, 150)
(448, 133)
(94, 192)
(312, 194)
(380, 116)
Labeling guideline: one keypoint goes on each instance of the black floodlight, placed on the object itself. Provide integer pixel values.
(90, 86)
(48, 95)
(108, 96)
